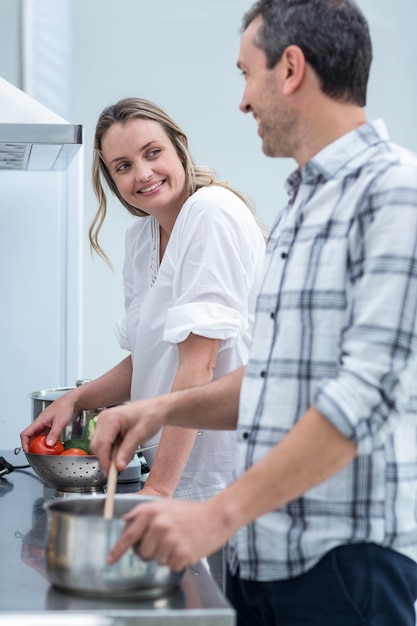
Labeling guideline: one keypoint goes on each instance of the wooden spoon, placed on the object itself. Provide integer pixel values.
(111, 486)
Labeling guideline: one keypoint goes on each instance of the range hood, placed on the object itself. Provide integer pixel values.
(32, 137)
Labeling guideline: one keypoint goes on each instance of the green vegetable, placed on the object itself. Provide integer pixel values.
(91, 426)
(83, 444)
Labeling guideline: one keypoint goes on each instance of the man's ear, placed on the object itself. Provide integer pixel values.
(294, 64)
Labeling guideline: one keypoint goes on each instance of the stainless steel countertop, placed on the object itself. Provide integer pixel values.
(27, 598)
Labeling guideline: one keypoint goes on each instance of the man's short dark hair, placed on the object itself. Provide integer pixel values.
(333, 35)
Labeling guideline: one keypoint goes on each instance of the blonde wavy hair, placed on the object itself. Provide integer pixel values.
(196, 176)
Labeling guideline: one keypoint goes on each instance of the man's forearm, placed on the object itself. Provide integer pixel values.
(211, 407)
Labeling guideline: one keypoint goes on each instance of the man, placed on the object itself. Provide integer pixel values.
(321, 521)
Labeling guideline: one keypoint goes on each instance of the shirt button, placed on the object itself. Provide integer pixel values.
(245, 435)
(263, 374)
(273, 315)
(284, 255)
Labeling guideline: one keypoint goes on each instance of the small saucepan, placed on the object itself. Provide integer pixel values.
(79, 539)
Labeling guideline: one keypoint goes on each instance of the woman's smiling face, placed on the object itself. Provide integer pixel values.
(145, 166)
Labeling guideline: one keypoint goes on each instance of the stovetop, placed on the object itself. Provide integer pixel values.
(25, 590)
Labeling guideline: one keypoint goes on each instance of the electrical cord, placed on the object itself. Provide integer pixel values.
(8, 468)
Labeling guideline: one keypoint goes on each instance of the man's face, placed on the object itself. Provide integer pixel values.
(263, 96)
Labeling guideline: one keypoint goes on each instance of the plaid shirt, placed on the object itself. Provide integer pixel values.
(336, 329)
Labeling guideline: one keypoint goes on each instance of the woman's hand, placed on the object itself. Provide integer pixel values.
(111, 388)
(52, 421)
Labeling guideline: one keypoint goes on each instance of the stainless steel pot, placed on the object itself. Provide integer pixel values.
(45, 397)
(77, 428)
(79, 539)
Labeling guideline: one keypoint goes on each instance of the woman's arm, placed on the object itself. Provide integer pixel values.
(197, 359)
(107, 390)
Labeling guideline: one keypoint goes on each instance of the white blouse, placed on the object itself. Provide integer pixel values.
(207, 284)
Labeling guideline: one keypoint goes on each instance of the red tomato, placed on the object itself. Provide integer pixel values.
(38, 446)
(74, 452)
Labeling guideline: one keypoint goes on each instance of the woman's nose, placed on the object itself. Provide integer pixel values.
(142, 173)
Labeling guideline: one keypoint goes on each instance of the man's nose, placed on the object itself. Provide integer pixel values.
(244, 106)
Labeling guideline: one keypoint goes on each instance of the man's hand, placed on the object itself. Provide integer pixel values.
(174, 532)
(130, 424)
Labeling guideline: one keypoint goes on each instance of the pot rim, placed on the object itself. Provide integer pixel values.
(57, 504)
(42, 393)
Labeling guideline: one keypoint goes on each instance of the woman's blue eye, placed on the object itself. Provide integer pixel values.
(154, 152)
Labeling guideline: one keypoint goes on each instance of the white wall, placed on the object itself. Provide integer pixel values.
(183, 55)
(393, 84)
(40, 234)
(39, 278)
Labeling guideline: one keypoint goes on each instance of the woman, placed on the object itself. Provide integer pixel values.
(192, 270)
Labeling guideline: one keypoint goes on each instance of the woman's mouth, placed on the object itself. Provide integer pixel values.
(151, 188)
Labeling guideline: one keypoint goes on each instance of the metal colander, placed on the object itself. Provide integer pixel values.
(73, 474)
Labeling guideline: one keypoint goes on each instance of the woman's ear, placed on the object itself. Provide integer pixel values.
(183, 140)
(181, 155)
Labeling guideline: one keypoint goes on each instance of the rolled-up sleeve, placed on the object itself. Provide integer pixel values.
(212, 320)
(120, 330)
(215, 253)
